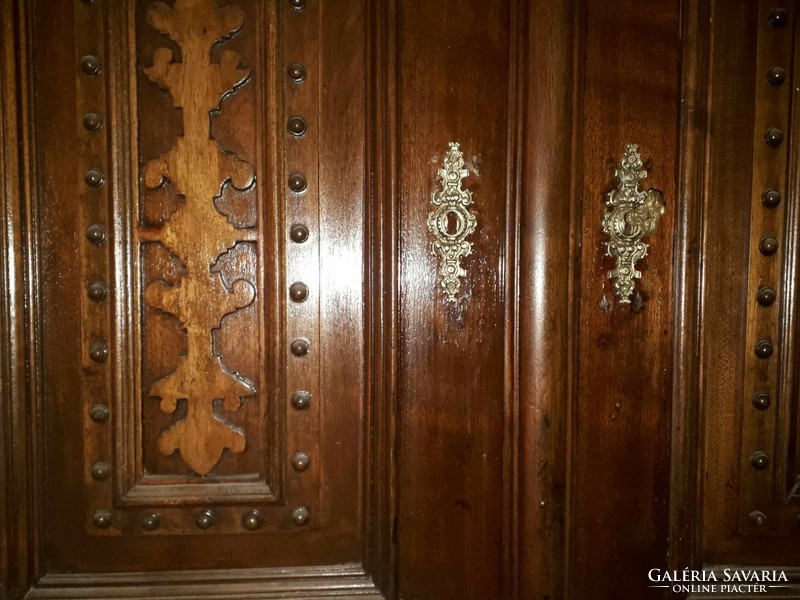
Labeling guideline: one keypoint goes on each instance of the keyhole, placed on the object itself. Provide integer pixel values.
(452, 223)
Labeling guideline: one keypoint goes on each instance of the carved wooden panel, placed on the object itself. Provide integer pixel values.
(769, 339)
(177, 427)
(748, 468)
(202, 418)
(197, 235)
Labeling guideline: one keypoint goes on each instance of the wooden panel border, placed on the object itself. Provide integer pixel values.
(544, 300)
(18, 305)
(21, 558)
(380, 274)
(686, 429)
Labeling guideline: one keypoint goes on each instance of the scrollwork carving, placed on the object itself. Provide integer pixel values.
(631, 214)
(451, 223)
(197, 233)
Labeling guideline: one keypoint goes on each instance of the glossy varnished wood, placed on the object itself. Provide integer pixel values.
(544, 291)
(620, 451)
(452, 393)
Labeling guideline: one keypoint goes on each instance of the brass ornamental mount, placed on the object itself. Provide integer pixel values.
(630, 215)
(451, 223)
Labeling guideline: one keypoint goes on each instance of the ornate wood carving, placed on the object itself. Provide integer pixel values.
(197, 232)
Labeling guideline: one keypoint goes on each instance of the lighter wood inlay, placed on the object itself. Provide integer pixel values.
(197, 232)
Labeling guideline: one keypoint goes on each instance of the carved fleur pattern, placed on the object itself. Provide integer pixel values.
(197, 233)
(630, 215)
(451, 223)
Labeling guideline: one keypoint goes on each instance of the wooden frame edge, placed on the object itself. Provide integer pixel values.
(688, 276)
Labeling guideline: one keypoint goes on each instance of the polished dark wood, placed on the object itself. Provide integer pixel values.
(535, 439)
(620, 438)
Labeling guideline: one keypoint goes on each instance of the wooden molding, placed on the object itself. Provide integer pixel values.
(686, 427)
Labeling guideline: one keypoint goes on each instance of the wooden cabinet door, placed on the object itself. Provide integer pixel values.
(199, 415)
(310, 298)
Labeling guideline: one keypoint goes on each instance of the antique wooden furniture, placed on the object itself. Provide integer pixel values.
(311, 298)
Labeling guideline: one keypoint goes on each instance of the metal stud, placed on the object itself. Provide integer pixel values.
(90, 2)
(97, 291)
(761, 400)
(102, 519)
(94, 178)
(764, 349)
(300, 516)
(252, 520)
(92, 121)
(296, 72)
(757, 518)
(301, 400)
(98, 352)
(298, 5)
(205, 518)
(766, 296)
(101, 470)
(96, 234)
(768, 246)
(776, 76)
(298, 291)
(296, 125)
(91, 65)
(99, 413)
(299, 234)
(759, 460)
(151, 522)
(778, 17)
(773, 137)
(771, 198)
(300, 347)
(300, 461)
(297, 183)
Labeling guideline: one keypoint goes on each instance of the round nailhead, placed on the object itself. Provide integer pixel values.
(299, 234)
(764, 349)
(252, 520)
(99, 413)
(92, 121)
(96, 234)
(771, 198)
(98, 352)
(757, 518)
(776, 76)
(297, 183)
(102, 519)
(773, 137)
(205, 519)
(301, 400)
(766, 296)
(298, 291)
(761, 400)
(300, 347)
(778, 17)
(297, 4)
(151, 522)
(296, 72)
(300, 461)
(97, 291)
(101, 470)
(94, 178)
(300, 516)
(91, 65)
(768, 246)
(759, 460)
(296, 126)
